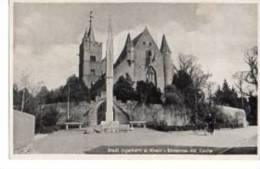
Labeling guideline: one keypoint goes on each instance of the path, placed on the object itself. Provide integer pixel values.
(74, 141)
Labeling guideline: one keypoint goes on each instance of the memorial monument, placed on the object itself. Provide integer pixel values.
(109, 124)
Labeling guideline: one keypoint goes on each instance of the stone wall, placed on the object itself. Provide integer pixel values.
(80, 111)
(233, 115)
(156, 112)
(86, 112)
(132, 111)
(23, 129)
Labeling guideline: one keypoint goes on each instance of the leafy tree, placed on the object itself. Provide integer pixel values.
(148, 93)
(226, 96)
(141, 91)
(16, 98)
(154, 94)
(173, 96)
(29, 103)
(190, 80)
(46, 121)
(50, 118)
(76, 89)
(123, 89)
(42, 95)
(182, 80)
(252, 118)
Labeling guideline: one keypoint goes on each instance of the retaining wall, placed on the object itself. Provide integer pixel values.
(24, 125)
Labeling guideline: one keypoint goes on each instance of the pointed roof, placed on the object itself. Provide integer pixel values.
(123, 54)
(133, 43)
(136, 39)
(90, 33)
(129, 42)
(145, 32)
(164, 45)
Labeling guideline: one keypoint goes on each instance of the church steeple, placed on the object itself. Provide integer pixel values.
(164, 46)
(90, 34)
(129, 42)
(167, 61)
(90, 53)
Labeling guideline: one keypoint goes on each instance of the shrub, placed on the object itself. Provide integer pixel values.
(173, 96)
(148, 93)
(123, 90)
(46, 121)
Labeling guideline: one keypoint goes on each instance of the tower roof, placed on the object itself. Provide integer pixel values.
(164, 45)
(123, 54)
(133, 43)
(90, 33)
(136, 39)
(129, 42)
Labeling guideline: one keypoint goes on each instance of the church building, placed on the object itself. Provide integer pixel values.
(140, 59)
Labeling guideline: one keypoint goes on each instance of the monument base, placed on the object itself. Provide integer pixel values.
(110, 126)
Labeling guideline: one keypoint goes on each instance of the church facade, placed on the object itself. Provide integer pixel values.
(140, 59)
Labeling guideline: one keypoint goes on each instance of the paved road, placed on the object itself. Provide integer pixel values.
(74, 141)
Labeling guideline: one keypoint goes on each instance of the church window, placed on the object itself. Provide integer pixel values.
(128, 77)
(92, 71)
(149, 53)
(143, 42)
(92, 58)
(151, 75)
(148, 57)
(129, 62)
(150, 43)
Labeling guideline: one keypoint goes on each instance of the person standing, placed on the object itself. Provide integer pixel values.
(210, 120)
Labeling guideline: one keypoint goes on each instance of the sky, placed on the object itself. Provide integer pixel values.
(47, 36)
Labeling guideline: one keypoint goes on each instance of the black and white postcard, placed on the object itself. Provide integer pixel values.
(132, 79)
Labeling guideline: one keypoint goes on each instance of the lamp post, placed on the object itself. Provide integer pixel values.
(68, 103)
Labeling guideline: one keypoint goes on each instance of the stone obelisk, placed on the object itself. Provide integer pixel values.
(109, 74)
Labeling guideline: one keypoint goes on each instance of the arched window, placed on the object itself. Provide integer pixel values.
(148, 57)
(92, 71)
(151, 75)
(92, 58)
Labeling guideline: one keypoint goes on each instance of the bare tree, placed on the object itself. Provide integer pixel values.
(251, 60)
(188, 64)
(241, 86)
(246, 78)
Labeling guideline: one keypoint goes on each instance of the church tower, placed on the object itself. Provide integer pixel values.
(90, 56)
(130, 55)
(167, 61)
